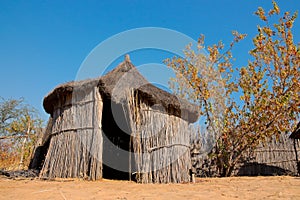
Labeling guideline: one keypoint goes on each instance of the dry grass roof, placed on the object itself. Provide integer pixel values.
(113, 86)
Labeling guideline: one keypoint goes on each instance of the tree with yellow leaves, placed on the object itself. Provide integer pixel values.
(268, 88)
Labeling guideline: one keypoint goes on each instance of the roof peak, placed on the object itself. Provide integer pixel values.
(127, 58)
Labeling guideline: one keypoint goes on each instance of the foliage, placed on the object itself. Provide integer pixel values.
(268, 88)
(19, 125)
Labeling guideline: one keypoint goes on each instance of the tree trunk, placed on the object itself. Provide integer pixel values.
(21, 165)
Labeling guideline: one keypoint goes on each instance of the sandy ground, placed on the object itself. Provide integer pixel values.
(283, 187)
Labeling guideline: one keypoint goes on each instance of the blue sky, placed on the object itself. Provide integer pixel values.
(43, 43)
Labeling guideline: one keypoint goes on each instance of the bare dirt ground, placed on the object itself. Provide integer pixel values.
(282, 187)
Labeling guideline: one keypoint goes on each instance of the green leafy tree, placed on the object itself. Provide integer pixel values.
(268, 88)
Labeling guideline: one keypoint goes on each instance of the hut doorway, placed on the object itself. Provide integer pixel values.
(117, 160)
(39, 156)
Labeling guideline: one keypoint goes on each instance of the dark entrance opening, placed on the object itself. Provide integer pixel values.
(116, 142)
(39, 156)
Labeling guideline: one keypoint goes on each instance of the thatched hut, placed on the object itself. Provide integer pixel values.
(117, 126)
(276, 156)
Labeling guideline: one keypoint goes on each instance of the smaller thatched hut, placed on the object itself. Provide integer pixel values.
(274, 157)
(117, 126)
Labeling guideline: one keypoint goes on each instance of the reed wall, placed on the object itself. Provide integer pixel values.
(275, 157)
(160, 143)
(75, 148)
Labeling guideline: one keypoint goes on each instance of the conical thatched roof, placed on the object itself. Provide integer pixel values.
(117, 82)
(125, 76)
(66, 88)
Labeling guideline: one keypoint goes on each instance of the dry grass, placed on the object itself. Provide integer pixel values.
(211, 188)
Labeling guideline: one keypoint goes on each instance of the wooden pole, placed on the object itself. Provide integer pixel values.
(129, 151)
(21, 165)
